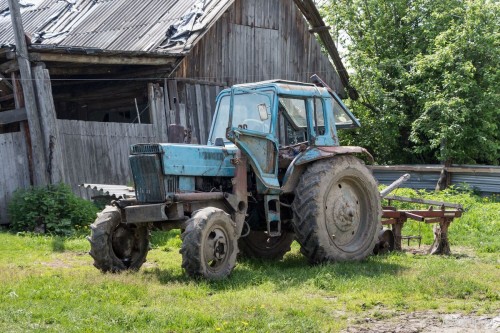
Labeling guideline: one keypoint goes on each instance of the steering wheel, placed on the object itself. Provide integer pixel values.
(256, 125)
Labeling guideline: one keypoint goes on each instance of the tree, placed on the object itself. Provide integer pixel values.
(428, 75)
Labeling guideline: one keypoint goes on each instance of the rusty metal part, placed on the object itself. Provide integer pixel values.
(145, 213)
(385, 192)
(443, 216)
(385, 242)
(202, 196)
(441, 244)
(176, 133)
(426, 201)
(240, 191)
(339, 150)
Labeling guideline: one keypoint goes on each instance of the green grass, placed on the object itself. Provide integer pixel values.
(49, 284)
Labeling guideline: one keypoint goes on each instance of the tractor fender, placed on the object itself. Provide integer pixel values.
(301, 161)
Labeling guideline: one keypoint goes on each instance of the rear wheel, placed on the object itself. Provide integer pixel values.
(337, 210)
(259, 245)
(209, 244)
(116, 246)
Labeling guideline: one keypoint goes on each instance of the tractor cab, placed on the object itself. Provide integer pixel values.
(273, 122)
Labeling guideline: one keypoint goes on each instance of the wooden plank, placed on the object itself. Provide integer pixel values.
(174, 102)
(13, 116)
(166, 102)
(192, 109)
(200, 113)
(14, 173)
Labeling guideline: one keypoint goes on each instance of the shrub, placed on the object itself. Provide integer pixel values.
(53, 209)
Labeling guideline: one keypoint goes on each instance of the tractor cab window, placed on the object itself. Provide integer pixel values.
(252, 111)
(292, 121)
(318, 117)
(343, 118)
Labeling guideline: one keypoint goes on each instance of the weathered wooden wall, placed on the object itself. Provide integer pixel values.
(14, 172)
(196, 103)
(97, 152)
(259, 40)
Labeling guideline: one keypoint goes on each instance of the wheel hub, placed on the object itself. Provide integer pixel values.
(343, 213)
(216, 247)
(220, 249)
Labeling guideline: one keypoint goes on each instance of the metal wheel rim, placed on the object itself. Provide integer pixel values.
(124, 244)
(216, 248)
(346, 213)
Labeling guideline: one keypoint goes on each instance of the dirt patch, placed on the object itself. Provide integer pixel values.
(430, 322)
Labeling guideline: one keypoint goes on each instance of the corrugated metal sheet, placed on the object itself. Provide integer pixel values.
(111, 25)
(486, 182)
(418, 180)
(114, 191)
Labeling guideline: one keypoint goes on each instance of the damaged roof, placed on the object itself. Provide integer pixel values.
(152, 26)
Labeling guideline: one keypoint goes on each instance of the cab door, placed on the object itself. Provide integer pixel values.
(251, 126)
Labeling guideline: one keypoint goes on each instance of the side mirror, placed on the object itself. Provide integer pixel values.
(263, 111)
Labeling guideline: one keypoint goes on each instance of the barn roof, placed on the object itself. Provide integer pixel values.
(146, 26)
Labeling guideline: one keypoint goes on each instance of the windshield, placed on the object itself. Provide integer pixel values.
(252, 111)
(341, 116)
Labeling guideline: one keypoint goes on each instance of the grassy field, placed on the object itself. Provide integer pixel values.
(49, 284)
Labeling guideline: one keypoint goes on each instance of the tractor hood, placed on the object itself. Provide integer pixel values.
(195, 160)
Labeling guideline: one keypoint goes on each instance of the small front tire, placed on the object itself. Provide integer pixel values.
(209, 244)
(116, 246)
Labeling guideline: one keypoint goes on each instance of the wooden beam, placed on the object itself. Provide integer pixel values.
(37, 141)
(318, 29)
(102, 59)
(13, 116)
(85, 70)
(6, 98)
(9, 66)
(4, 80)
(312, 15)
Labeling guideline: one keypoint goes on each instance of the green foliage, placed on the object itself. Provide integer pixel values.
(53, 208)
(428, 75)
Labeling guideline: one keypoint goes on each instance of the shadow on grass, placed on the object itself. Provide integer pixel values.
(290, 273)
(58, 244)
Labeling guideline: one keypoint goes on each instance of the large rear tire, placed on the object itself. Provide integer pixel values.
(259, 245)
(209, 244)
(116, 246)
(337, 210)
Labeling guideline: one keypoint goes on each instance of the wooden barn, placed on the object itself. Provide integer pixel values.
(96, 76)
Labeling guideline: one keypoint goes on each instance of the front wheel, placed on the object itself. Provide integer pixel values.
(209, 244)
(337, 210)
(116, 246)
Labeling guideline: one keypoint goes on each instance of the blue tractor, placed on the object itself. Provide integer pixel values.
(272, 172)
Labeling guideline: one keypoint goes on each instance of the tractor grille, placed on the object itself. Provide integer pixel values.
(148, 178)
(145, 148)
(172, 184)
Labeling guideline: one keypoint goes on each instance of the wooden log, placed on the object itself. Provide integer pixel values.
(37, 144)
(52, 138)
